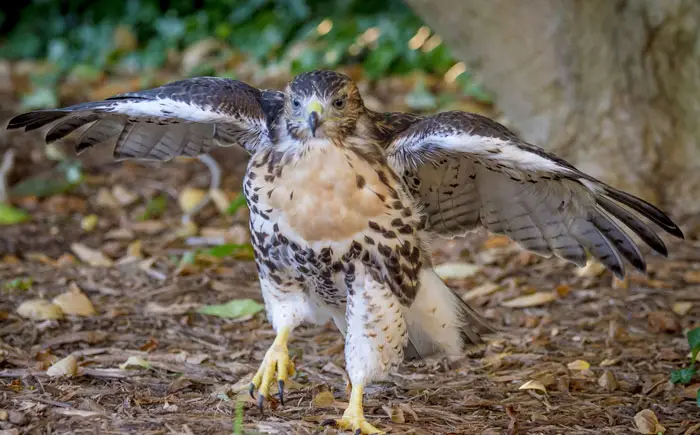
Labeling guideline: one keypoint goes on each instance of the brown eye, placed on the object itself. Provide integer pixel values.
(339, 103)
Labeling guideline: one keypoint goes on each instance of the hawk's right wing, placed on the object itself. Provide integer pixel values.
(182, 118)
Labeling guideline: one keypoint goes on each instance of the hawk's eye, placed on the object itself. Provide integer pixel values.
(339, 103)
(296, 103)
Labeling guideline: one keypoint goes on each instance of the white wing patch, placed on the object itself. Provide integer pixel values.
(168, 108)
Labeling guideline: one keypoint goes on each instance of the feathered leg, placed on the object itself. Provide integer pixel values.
(374, 343)
(287, 308)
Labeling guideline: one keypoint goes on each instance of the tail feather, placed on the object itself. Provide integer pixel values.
(439, 321)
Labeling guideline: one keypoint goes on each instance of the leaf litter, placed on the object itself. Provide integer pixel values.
(198, 334)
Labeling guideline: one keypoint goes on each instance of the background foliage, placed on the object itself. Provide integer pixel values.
(83, 37)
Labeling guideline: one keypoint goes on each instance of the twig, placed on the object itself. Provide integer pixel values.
(8, 160)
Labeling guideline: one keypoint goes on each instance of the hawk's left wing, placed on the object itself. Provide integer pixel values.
(465, 169)
(183, 118)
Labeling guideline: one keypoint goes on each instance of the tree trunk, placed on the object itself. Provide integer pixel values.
(612, 86)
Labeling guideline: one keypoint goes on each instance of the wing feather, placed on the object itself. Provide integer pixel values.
(466, 170)
(185, 117)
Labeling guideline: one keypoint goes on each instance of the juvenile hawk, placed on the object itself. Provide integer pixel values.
(345, 203)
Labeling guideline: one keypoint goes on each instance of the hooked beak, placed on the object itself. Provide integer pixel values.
(314, 111)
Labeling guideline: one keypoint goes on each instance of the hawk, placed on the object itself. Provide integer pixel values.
(345, 204)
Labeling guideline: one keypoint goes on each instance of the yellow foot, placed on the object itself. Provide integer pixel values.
(276, 359)
(354, 416)
(357, 424)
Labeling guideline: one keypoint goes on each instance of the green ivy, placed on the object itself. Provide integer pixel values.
(79, 34)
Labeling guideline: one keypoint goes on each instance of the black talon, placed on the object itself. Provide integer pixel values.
(261, 399)
(329, 422)
(251, 391)
(280, 385)
(358, 432)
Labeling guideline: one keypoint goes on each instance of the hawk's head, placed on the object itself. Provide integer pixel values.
(322, 104)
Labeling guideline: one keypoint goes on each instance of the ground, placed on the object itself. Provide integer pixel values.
(626, 331)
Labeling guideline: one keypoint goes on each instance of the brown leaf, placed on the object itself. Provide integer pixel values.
(533, 300)
(692, 277)
(578, 365)
(190, 198)
(484, 289)
(324, 399)
(75, 302)
(663, 321)
(39, 309)
(682, 308)
(395, 414)
(495, 241)
(647, 423)
(533, 385)
(457, 270)
(90, 256)
(607, 381)
(67, 367)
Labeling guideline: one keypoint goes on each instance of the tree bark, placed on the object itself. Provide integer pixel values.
(611, 85)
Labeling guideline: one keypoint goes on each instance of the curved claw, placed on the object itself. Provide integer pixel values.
(261, 401)
(280, 387)
(276, 364)
(251, 390)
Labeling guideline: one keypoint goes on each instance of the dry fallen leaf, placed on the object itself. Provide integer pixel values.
(663, 321)
(647, 423)
(190, 198)
(75, 302)
(123, 195)
(89, 222)
(396, 414)
(533, 385)
(483, 290)
(579, 365)
(134, 249)
(533, 300)
(39, 309)
(457, 270)
(72, 412)
(220, 200)
(105, 198)
(682, 308)
(591, 269)
(607, 381)
(90, 256)
(135, 361)
(496, 241)
(324, 399)
(67, 366)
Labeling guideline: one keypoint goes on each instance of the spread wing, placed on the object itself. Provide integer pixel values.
(183, 118)
(467, 170)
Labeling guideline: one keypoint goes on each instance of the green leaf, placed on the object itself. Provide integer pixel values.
(19, 284)
(154, 208)
(694, 342)
(225, 250)
(236, 204)
(683, 376)
(233, 309)
(188, 257)
(41, 187)
(10, 215)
